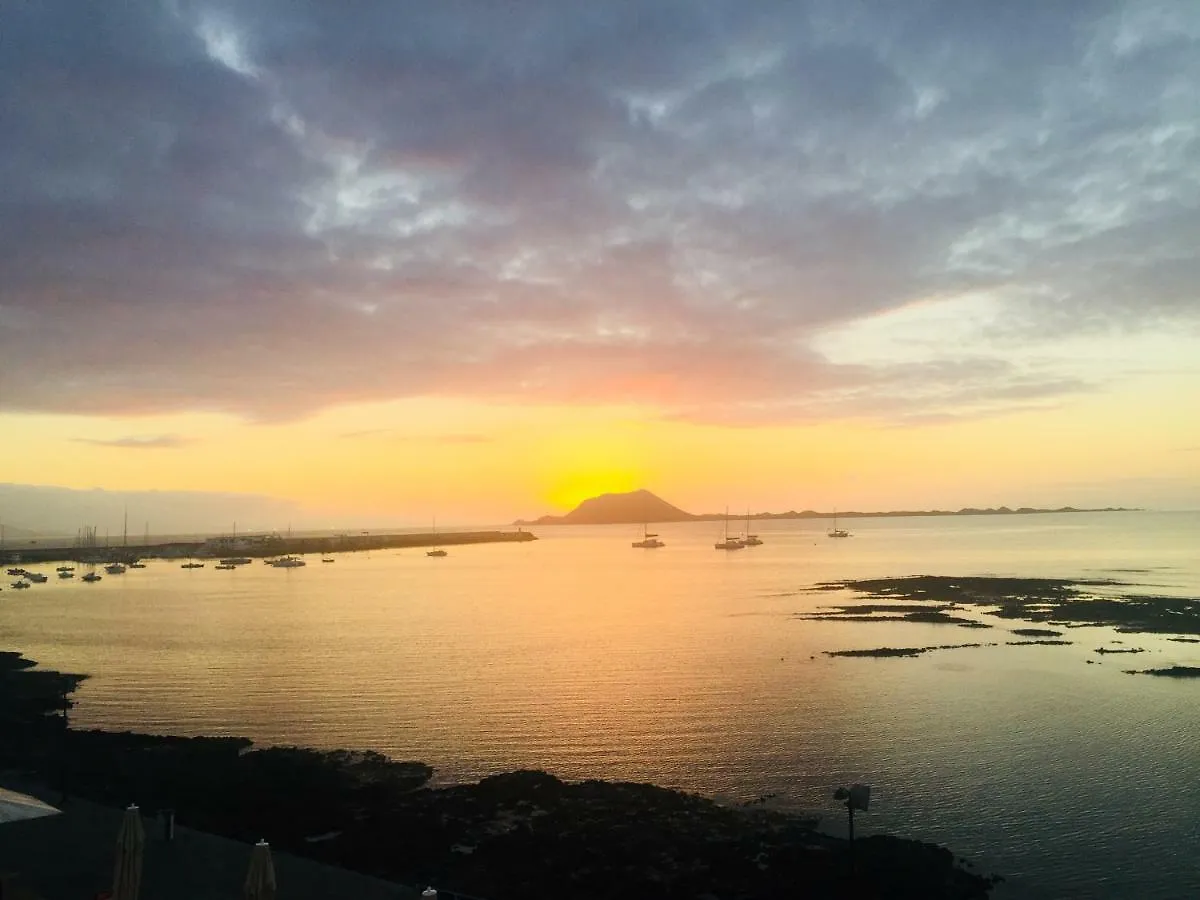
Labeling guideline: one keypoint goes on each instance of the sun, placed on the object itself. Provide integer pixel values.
(569, 490)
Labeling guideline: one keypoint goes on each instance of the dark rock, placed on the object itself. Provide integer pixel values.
(1171, 672)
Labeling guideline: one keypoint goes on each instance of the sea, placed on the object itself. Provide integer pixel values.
(690, 668)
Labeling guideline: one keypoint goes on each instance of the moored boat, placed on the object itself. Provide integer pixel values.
(649, 541)
(748, 539)
(836, 532)
(728, 543)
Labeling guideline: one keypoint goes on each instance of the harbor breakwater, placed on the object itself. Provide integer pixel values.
(263, 546)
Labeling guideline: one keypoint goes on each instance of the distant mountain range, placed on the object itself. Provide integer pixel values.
(639, 506)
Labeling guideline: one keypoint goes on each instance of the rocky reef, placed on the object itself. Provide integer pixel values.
(902, 651)
(1053, 601)
(1169, 672)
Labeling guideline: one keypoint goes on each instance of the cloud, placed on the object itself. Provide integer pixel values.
(139, 442)
(272, 208)
(452, 438)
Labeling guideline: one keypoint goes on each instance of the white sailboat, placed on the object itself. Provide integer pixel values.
(750, 540)
(649, 541)
(728, 543)
(436, 551)
(836, 532)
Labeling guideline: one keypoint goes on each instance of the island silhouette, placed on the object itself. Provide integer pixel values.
(642, 506)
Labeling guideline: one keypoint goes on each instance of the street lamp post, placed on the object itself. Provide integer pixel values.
(857, 796)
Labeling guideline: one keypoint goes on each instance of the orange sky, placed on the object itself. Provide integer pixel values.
(407, 461)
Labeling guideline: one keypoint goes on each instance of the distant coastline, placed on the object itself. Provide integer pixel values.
(914, 513)
(637, 507)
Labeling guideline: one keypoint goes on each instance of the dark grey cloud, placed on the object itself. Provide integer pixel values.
(274, 207)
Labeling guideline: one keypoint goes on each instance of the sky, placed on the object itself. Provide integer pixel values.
(376, 262)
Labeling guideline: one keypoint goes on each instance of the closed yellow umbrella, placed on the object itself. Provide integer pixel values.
(131, 844)
(260, 880)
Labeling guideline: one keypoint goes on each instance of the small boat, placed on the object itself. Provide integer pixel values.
(65, 569)
(436, 551)
(19, 585)
(836, 532)
(65, 573)
(649, 541)
(192, 565)
(748, 539)
(327, 559)
(36, 577)
(728, 543)
(288, 562)
(115, 569)
(236, 561)
(225, 566)
(137, 565)
(91, 577)
(17, 572)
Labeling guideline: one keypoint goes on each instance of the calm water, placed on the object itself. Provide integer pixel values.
(686, 667)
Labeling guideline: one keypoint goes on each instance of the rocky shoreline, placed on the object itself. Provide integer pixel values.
(522, 834)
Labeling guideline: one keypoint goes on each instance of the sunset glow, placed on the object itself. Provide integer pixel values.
(788, 259)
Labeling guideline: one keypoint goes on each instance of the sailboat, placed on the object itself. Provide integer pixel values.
(115, 566)
(750, 540)
(649, 541)
(136, 564)
(728, 543)
(436, 551)
(836, 532)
